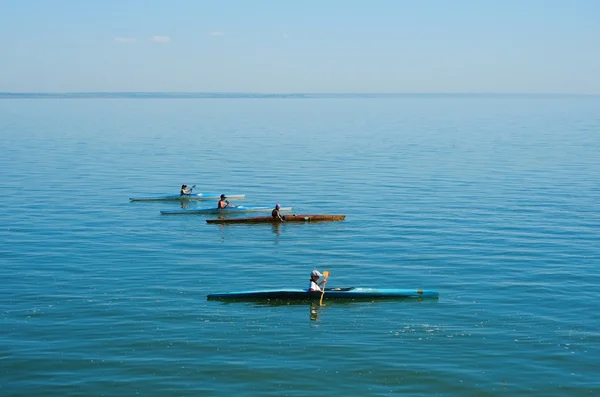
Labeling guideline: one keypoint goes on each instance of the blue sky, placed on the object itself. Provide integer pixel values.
(280, 46)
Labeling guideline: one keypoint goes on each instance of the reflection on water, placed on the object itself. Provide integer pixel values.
(313, 307)
(276, 228)
(314, 311)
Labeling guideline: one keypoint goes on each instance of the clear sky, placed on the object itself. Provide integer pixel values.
(310, 46)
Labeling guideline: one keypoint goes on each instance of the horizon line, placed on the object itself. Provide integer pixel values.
(299, 92)
(242, 94)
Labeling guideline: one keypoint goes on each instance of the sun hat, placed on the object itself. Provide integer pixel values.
(316, 273)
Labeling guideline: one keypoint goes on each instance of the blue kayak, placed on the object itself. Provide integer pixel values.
(233, 210)
(350, 293)
(189, 197)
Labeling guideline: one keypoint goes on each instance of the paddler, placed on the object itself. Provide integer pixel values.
(185, 191)
(276, 214)
(315, 285)
(223, 203)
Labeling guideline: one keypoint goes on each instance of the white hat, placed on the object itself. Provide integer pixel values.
(316, 273)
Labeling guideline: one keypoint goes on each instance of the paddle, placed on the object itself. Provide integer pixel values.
(325, 275)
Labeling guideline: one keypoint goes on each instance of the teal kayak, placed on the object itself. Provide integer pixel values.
(188, 197)
(232, 210)
(350, 293)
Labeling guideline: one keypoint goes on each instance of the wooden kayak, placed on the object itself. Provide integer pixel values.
(287, 218)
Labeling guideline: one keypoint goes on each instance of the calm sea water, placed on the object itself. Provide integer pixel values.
(492, 201)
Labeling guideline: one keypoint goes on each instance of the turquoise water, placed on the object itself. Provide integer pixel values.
(493, 201)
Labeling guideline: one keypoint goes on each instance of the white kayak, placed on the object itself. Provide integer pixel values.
(228, 210)
(189, 197)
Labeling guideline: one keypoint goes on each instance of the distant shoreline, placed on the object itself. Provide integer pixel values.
(234, 95)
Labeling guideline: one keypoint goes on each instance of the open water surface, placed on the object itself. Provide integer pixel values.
(493, 201)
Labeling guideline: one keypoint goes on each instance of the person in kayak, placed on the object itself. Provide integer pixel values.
(276, 214)
(185, 191)
(223, 203)
(315, 285)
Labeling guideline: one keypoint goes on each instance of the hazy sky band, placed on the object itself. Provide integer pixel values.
(310, 46)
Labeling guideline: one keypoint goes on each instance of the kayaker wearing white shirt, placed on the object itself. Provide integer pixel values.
(315, 285)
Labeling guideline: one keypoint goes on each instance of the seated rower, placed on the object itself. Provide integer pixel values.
(315, 285)
(185, 191)
(276, 214)
(223, 203)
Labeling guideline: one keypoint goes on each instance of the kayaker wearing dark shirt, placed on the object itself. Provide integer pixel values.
(275, 213)
(184, 190)
(315, 285)
(223, 203)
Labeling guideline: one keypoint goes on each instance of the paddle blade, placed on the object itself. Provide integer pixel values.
(325, 275)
